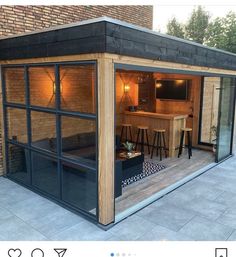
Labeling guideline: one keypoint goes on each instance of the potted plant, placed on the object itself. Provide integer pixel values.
(129, 148)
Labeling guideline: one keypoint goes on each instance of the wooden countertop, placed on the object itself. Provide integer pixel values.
(157, 115)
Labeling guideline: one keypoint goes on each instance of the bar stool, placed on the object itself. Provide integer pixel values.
(159, 139)
(183, 131)
(143, 130)
(125, 128)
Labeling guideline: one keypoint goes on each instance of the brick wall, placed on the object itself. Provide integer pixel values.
(18, 19)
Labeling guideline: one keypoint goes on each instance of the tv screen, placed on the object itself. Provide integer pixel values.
(172, 89)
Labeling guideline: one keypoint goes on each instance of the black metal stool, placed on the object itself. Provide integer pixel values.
(124, 129)
(143, 130)
(187, 130)
(159, 139)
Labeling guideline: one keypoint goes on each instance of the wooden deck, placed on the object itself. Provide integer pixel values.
(176, 169)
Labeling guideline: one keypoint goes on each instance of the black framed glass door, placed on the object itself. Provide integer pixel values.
(225, 118)
(50, 115)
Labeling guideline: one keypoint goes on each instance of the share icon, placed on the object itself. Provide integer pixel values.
(60, 251)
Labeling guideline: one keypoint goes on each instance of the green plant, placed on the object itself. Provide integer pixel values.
(128, 146)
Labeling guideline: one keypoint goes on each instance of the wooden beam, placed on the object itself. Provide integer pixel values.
(106, 140)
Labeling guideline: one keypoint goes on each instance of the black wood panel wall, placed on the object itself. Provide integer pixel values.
(106, 36)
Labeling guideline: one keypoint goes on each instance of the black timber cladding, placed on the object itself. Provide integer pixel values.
(88, 38)
(113, 37)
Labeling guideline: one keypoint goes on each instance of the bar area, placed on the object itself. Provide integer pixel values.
(158, 116)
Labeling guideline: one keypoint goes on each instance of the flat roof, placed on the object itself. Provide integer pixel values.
(109, 35)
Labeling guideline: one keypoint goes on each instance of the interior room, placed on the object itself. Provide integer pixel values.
(154, 112)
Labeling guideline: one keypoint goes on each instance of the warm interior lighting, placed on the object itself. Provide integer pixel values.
(158, 85)
(54, 87)
(179, 82)
(126, 88)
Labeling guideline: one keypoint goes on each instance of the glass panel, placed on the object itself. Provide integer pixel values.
(17, 125)
(43, 130)
(226, 111)
(42, 86)
(210, 106)
(44, 173)
(18, 163)
(79, 139)
(15, 85)
(77, 88)
(79, 187)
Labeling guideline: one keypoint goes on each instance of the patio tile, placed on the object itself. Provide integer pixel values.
(83, 231)
(5, 214)
(55, 222)
(228, 199)
(131, 228)
(232, 236)
(228, 218)
(206, 208)
(203, 189)
(33, 208)
(14, 229)
(160, 233)
(168, 215)
(201, 228)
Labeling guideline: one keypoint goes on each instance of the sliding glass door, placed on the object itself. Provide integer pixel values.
(225, 118)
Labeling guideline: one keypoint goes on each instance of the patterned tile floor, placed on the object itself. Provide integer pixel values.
(203, 209)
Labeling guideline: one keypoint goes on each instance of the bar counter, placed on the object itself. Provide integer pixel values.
(172, 123)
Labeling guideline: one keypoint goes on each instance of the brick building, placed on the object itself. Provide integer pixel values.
(18, 19)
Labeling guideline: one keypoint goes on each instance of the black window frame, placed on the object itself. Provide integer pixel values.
(58, 113)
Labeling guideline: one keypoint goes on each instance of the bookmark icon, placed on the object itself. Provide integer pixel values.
(60, 251)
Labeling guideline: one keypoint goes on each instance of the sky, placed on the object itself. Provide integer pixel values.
(163, 13)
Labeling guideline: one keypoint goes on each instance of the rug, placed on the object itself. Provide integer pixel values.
(149, 168)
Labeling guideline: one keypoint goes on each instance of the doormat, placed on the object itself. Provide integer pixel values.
(149, 168)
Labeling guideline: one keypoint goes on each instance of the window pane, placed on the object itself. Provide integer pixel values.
(18, 163)
(79, 139)
(210, 104)
(79, 187)
(15, 85)
(77, 88)
(43, 130)
(225, 126)
(44, 173)
(17, 125)
(42, 86)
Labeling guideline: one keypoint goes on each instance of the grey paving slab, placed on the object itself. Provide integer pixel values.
(14, 229)
(33, 208)
(201, 228)
(168, 215)
(228, 218)
(228, 199)
(83, 231)
(159, 233)
(232, 236)
(55, 222)
(206, 208)
(132, 228)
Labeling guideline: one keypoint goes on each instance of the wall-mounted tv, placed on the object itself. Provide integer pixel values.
(172, 89)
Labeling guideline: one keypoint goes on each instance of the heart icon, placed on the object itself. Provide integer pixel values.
(14, 252)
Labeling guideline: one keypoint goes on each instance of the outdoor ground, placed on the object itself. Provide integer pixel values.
(203, 209)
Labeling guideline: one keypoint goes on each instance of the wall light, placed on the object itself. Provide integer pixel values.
(158, 85)
(54, 87)
(126, 88)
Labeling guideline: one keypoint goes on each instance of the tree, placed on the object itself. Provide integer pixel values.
(197, 24)
(175, 28)
(222, 33)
